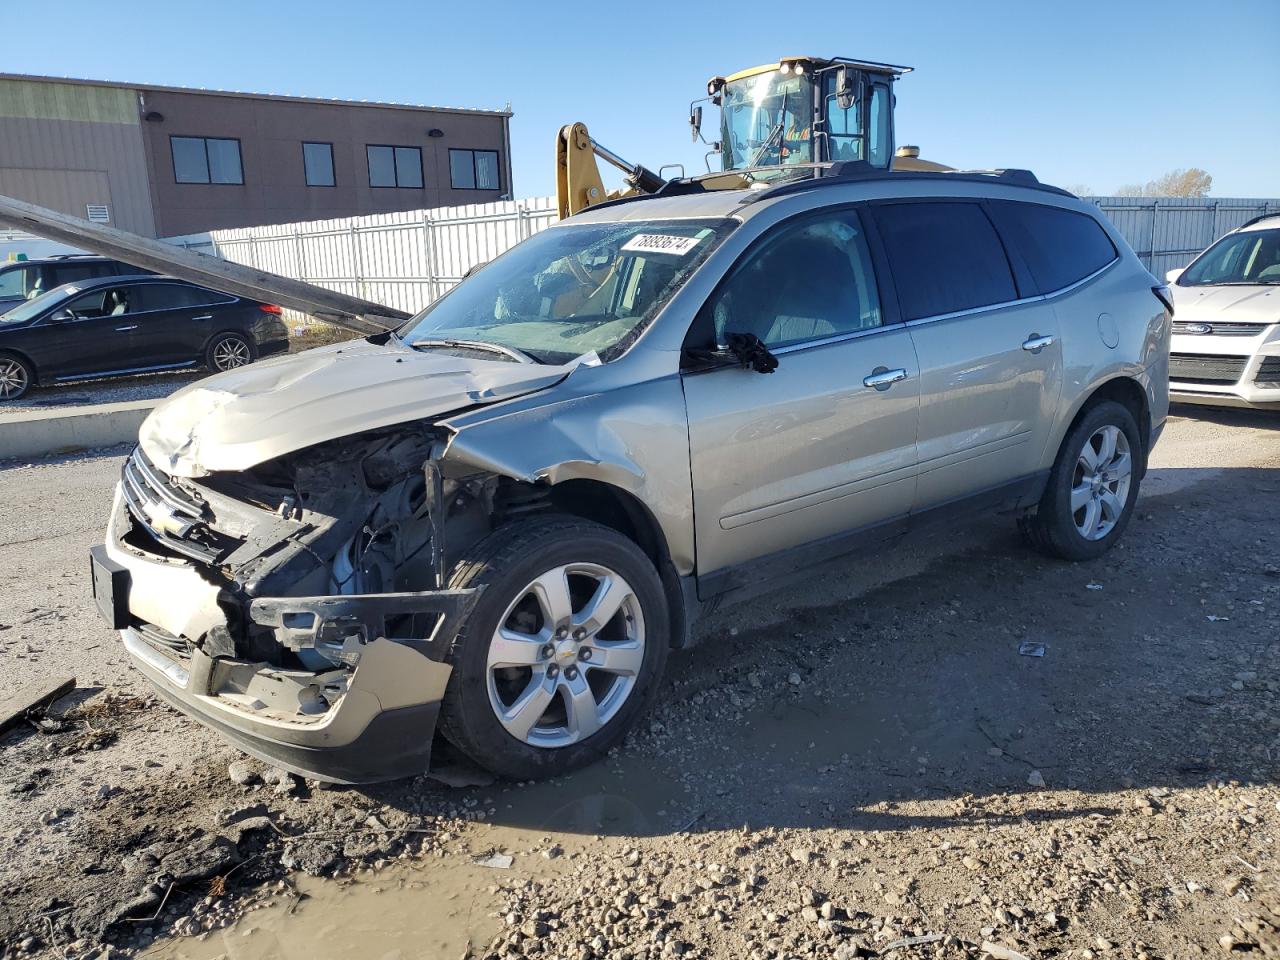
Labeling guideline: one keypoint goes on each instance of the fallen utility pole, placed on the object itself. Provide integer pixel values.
(157, 256)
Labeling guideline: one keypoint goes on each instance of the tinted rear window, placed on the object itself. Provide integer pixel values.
(945, 257)
(1059, 246)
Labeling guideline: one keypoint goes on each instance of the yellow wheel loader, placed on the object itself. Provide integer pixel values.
(775, 120)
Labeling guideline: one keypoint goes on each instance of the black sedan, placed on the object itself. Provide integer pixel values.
(110, 326)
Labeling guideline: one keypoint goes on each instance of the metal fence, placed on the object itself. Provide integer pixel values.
(1167, 232)
(407, 260)
(403, 260)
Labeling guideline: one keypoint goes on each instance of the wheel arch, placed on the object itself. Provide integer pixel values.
(1129, 393)
(625, 513)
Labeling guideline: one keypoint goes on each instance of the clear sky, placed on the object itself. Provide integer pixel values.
(1083, 92)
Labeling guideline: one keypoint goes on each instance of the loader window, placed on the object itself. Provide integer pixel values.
(572, 290)
(766, 120)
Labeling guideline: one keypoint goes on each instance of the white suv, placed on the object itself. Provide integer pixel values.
(1226, 332)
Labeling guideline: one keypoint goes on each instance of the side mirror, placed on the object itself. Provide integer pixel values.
(62, 316)
(846, 87)
(1171, 276)
(695, 121)
(744, 350)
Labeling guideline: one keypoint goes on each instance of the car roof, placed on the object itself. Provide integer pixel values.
(1268, 221)
(686, 199)
(90, 283)
(57, 258)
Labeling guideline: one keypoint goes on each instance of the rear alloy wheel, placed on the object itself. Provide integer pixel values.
(1092, 488)
(562, 651)
(16, 377)
(228, 351)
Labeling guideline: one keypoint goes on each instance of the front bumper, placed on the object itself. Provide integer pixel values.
(343, 725)
(1239, 372)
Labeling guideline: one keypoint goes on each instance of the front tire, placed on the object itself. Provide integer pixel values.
(16, 377)
(1092, 488)
(227, 351)
(562, 652)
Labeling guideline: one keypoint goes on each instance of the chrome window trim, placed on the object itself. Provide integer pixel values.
(1041, 297)
(837, 338)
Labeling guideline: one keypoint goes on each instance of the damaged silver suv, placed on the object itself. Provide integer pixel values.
(498, 519)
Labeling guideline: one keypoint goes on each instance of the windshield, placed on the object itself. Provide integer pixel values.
(765, 120)
(38, 305)
(571, 290)
(1241, 258)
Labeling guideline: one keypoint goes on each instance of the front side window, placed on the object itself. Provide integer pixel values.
(473, 169)
(571, 290)
(206, 160)
(111, 302)
(1059, 246)
(1252, 257)
(317, 164)
(945, 257)
(395, 166)
(809, 280)
(765, 120)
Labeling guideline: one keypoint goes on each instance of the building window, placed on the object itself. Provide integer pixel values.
(206, 160)
(473, 169)
(317, 161)
(395, 167)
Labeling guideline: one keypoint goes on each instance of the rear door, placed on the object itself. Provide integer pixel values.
(824, 445)
(175, 321)
(989, 349)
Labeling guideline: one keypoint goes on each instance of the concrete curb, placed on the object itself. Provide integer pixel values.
(42, 433)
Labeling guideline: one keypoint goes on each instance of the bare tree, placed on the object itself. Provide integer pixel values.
(1080, 189)
(1191, 182)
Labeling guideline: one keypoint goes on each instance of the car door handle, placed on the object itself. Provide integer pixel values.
(1035, 343)
(132, 326)
(882, 378)
(204, 316)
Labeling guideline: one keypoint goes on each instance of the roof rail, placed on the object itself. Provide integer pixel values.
(860, 170)
(1259, 218)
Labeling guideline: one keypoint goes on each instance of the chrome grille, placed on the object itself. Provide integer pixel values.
(1219, 329)
(168, 513)
(1206, 367)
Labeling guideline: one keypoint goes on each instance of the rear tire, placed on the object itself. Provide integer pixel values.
(227, 351)
(539, 688)
(17, 377)
(1092, 488)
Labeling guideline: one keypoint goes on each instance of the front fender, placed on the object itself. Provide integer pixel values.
(635, 438)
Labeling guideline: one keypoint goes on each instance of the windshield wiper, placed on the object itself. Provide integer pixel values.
(518, 355)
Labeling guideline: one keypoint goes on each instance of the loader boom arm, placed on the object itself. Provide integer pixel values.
(339, 309)
(578, 183)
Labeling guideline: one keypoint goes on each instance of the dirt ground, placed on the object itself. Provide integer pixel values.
(860, 764)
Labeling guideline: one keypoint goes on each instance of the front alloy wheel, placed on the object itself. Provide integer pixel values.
(15, 378)
(566, 655)
(562, 651)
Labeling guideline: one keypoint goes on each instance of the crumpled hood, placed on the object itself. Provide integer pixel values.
(1252, 304)
(237, 419)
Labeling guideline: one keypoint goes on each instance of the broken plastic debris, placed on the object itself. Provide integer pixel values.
(499, 861)
(1093, 586)
(1029, 648)
(1214, 618)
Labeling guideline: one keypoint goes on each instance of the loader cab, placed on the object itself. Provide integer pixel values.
(805, 110)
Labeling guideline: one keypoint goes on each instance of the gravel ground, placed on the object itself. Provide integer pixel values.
(862, 764)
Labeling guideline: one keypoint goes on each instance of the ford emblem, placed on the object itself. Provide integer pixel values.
(1199, 329)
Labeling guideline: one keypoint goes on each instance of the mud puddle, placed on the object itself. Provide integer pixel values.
(400, 912)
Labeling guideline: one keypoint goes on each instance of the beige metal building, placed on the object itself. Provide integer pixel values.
(164, 161)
